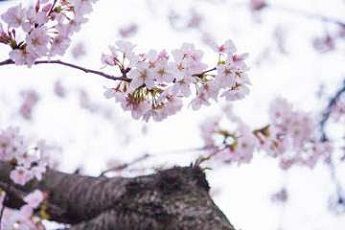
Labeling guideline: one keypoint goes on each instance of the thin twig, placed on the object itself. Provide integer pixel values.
(86, 70)
(204, 72)
(125, 165)
(325, 118)
(156, 154)
(326, 115)
(182, 151)
(52, 8)
(306, 14)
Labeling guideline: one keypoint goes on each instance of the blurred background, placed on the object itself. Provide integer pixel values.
(296, 50)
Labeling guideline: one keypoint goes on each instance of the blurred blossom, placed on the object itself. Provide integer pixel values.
(59, 89)
(78, 50)
(324, 44)
(180, 21)
(128, 30)
(280, 196)
(30, 99)
(256, 5)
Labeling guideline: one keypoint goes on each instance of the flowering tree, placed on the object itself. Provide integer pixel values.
(151, 85)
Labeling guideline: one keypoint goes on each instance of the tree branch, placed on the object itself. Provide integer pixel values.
(175, 198)
(326, 115)
(325, 118)
(86, 70)
(306, 14)
(125, 165)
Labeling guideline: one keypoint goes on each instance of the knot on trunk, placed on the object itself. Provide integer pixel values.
(181, 178)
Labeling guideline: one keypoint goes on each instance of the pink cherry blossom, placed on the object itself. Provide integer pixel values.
(34, 199)
(34, 17)
(183, 87)
(236, 93)
(243, 148)
(21, 175)
(82, 6)
(163, 72)
(125, 48)
(227, 48)
(59, 45)
(46, 31)
(140, 76)
(27, 160)
(14, 16)
(11, 144)
(23, 56)
(154, 74)
(291, 138)
(26, 212)
(199, 100)
(37, 41)
(39, 170)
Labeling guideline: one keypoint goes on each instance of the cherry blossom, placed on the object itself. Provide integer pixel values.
(242, 149)
(153, 85)
(28, 163)
(21, 175)
(34, 199)
(14, 16)
(148, 77)
(154, 80)
(23, 56)
(291, 137)
(11, 144)
(46, 27)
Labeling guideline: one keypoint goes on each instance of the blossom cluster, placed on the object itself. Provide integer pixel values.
(43, 29)
(25, 159)
(154, 83)
(24, 217)
(292, 137)
(27, 162)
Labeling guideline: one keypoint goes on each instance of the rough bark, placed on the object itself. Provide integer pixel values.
(175, 198)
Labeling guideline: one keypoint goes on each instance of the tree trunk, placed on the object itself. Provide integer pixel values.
(175, 198)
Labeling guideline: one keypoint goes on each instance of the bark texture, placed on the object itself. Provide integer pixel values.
(175, 198)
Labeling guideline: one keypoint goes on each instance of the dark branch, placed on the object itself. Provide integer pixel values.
(204, 72)
(171, 199)
(325, 118)
(125, 165)
(306, 14)
(327, 112)
(86, 70)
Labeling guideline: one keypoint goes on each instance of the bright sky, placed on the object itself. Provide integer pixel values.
(243, 193)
